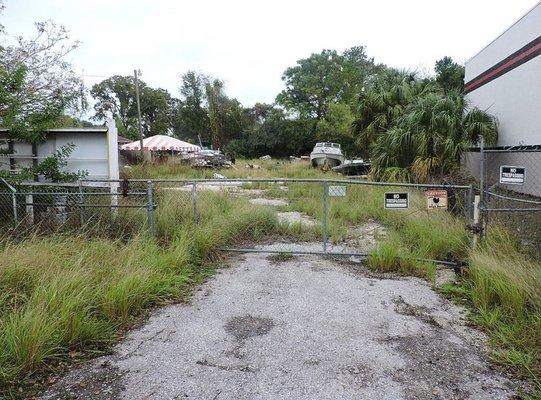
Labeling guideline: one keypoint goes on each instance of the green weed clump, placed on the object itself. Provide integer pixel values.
(504, 287)
(391, 256)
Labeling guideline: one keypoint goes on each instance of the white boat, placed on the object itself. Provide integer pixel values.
(326, 153)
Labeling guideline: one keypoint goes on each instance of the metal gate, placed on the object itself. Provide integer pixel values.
(326, 217)
(335, 217)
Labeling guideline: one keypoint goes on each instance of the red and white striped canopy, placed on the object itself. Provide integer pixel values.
(161, 142)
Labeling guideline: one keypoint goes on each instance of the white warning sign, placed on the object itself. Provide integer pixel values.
(337, 191)
(512, 175)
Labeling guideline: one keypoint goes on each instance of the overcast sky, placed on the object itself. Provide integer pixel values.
(249, 44)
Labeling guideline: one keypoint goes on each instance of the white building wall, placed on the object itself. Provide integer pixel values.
(92, 152)
(515, 97)
(515, 100)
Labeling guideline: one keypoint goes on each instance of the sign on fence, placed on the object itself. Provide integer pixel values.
(512, 175)
(337, 191)
(396, 200)
(436, 199)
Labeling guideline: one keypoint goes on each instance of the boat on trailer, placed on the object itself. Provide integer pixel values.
(326, 154)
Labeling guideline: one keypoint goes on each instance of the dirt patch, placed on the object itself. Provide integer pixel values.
(280, 258)
(234, 367)
(433, 372)
(444, 275)
(366, 236)
(420, 312)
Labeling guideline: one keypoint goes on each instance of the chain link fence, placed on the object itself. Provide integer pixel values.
(304, 216)
(510, 179)
(98, 208)
(296, 216)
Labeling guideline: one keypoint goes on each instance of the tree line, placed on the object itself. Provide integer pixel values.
(411, 126)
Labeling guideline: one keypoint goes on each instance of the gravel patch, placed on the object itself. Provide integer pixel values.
(306, 328)
(269, 202)
(295, 217)
(366, 236)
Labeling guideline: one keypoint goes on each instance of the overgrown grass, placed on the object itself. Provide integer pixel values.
(65, 293)
(269, 169)
(502, 288)
(414, 233)
(69, 293)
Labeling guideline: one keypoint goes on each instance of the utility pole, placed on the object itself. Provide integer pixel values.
(140, 126)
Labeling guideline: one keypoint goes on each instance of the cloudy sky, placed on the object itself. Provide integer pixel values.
(249, 43)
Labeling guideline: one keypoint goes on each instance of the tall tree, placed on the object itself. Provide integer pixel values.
(215, 100)
(449, 75)
(268, 130)
(115, 98)
(324, 79)
(429, 137)
(37, 87)
(191, 119)
(37, 84)
(383, 102)
(336, 127)
(313, 84)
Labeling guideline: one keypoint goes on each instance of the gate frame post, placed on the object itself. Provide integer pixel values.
(194, 203)
(325, 215)
(471, 194)
(150, 209)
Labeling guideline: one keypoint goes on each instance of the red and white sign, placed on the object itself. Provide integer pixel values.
(436, 199)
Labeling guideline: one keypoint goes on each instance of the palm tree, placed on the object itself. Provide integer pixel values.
(429, 137)
(383, 102)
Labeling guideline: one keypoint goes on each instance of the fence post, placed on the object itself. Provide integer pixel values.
(471, 194)
(150, 208)
(15, 215)
(29, 200)
(81, 204)
(325, 215)
(194, 203)
(482, 186)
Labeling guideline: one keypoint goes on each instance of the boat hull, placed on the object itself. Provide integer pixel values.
(354, 168)
(330, 160)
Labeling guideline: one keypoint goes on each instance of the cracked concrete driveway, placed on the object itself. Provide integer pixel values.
(304, 328)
